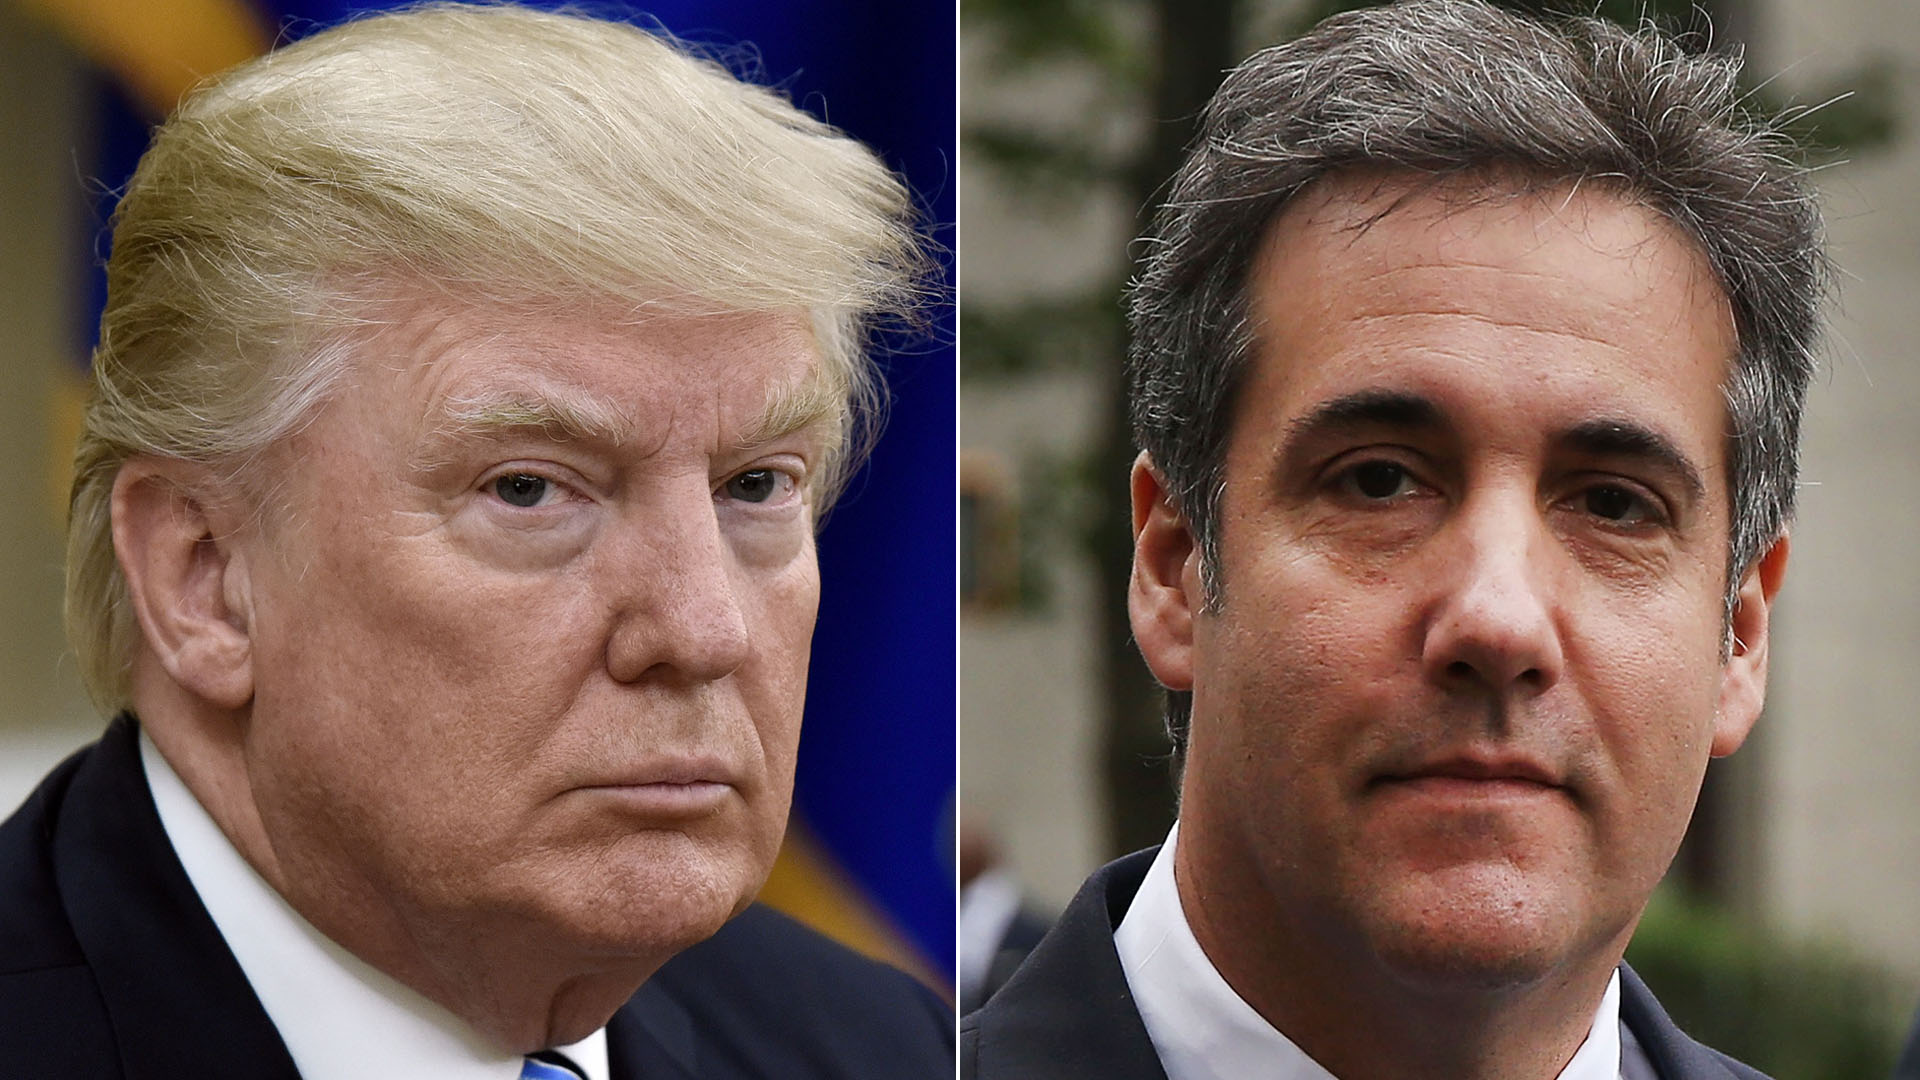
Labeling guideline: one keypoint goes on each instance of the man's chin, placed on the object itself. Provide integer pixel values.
(1468, 933)
(652, 931)
(1461, 966)
(650, 904)
(660, 925)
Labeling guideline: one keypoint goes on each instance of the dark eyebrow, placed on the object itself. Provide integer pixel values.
(1614, 438)
(1607, 437)
(1367, 408)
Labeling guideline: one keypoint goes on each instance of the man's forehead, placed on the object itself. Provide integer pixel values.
(408, 330)
(1373, 191)
(1370, 245)
(1455, 209)
(597, 374)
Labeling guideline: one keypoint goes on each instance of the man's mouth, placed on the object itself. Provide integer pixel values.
(692, 785)
(1476, 776)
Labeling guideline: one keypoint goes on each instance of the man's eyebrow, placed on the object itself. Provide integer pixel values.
(813, 402)
(1366, 408)
(491, 414)
(1617, 438)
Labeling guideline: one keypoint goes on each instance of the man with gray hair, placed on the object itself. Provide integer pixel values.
(470, 383)
(1468, 360)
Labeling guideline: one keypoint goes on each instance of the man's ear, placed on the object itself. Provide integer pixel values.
(1162, 594)
(173, 534)
(1743, 682)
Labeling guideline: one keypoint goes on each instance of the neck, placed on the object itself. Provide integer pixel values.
(1362, 1016)
(527, 994)
(553, 995)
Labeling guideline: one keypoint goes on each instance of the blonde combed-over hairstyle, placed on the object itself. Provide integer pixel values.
(489, 153)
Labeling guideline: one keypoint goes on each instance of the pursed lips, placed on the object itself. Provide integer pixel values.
(702, 769)
(670, 787)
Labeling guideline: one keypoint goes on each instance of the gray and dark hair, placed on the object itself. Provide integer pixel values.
(1440, 88)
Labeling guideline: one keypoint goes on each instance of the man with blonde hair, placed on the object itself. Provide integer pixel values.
(470, 384)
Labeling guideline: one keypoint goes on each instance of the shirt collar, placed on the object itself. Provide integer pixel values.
(1203, 1030)
(333, 1011)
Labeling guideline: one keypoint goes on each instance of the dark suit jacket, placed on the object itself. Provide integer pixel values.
(111, 967)
(1908, 1068)
(1068, 1012)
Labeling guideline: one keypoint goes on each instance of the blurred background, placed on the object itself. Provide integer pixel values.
(1788, 933)
(870, 854)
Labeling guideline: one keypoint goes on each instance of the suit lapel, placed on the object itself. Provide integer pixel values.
(652, 1038)
(1068, 1011)
(176, 996)
(1672, 1054)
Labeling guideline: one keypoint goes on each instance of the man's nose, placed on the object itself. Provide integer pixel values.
(677, 613)
(1494, 624)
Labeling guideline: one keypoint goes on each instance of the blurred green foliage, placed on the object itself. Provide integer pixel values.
(1030, 32)
(1040, 334)
(1795, 1010)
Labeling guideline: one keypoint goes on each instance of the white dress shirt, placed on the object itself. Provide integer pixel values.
(1203, 1030)
(340, 1018)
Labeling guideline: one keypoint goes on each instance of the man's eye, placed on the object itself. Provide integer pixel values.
(521, 489)
(755, 485)
(1377, 480)
(1616, 504)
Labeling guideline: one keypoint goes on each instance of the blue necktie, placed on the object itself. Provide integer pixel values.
(547, 1065)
